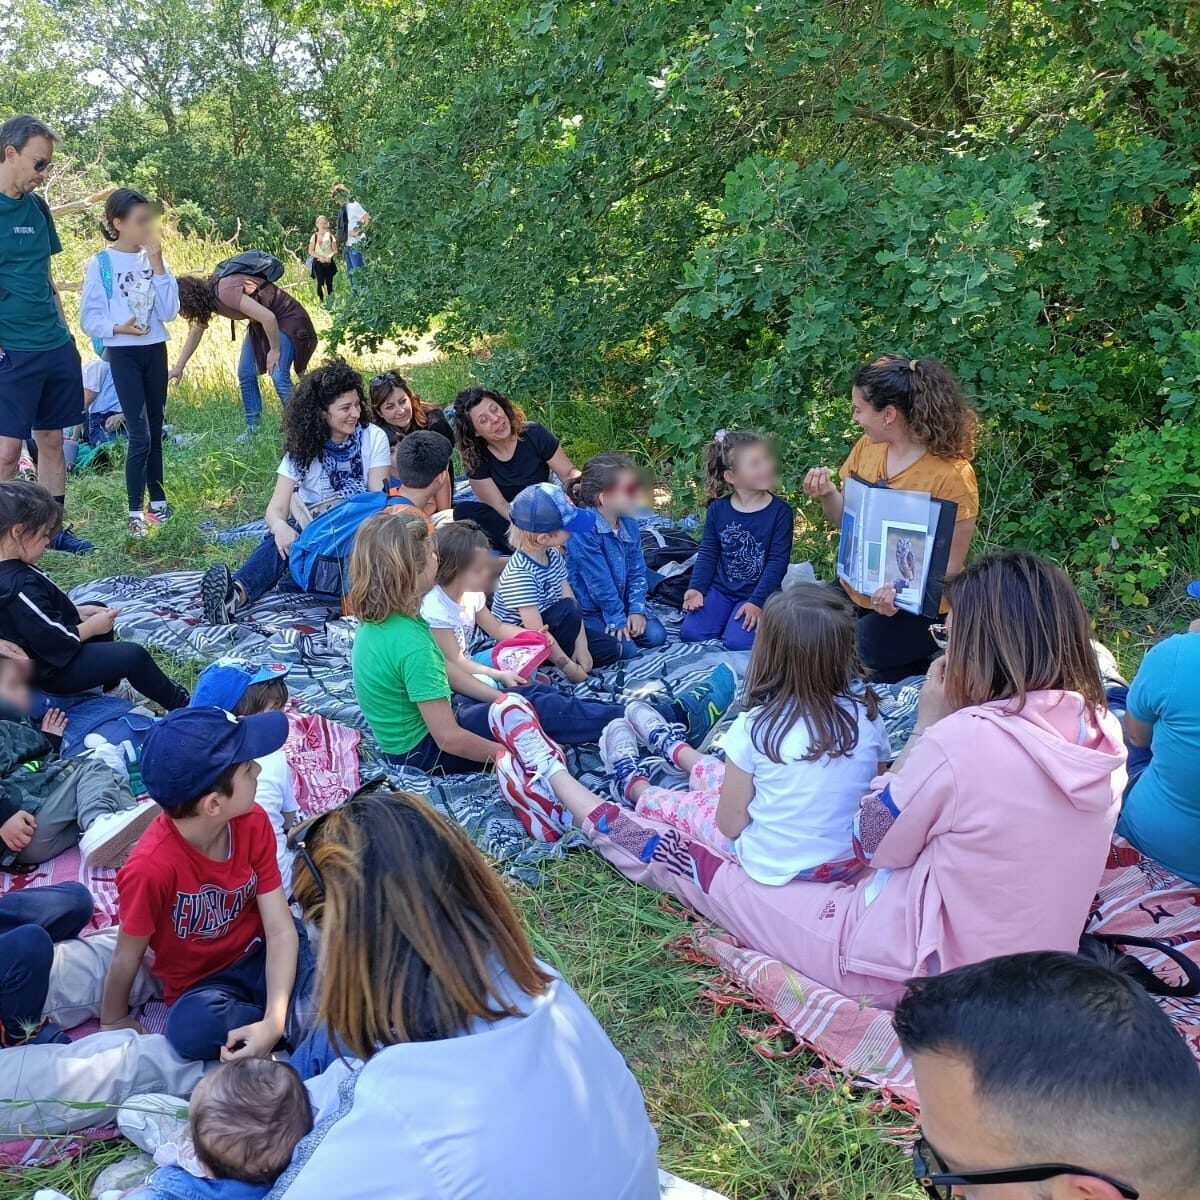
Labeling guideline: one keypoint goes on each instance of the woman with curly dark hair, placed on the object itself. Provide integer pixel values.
(399, 411)
(919, 432)
(503, 454)
(279, 332)
(331, 451)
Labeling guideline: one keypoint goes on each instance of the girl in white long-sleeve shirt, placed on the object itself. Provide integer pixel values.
(128, 297)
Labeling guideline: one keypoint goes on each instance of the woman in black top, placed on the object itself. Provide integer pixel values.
(399, 411)
(502, 454)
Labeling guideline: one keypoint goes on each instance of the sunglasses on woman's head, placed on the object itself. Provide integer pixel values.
(930, 1172)
(387, 377)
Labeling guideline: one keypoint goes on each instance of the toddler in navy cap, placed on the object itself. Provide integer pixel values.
(533, 590)
(202, 890)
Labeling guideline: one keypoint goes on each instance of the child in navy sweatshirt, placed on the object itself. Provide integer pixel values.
(746, 545)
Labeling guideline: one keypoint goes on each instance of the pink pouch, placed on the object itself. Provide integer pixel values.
(522, 654)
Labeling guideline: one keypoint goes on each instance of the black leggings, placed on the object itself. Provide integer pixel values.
(893, 648)
(489, 520)
(323, 274)
(139, 374)
(104, 663)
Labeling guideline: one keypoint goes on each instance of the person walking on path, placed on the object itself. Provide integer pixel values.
(41, 377)
(128, 296)
(352, 222)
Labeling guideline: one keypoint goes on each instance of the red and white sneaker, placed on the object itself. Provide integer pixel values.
(514, 723)
(532, 801)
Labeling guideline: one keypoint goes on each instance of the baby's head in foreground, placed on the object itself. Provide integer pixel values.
(247, 1117)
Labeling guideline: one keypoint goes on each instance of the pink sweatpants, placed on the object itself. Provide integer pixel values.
(802, 924)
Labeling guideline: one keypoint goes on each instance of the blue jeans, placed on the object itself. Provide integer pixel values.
(263, 570)
(567, 719)
(31, 921)
(354, 264)
(94, 432)
(717, 619)
(200, 1020)
(606, 649)
(247, 374)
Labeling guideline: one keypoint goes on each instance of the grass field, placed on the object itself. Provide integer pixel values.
(728, 1117)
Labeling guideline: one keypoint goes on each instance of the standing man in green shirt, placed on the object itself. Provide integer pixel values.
(41, 380)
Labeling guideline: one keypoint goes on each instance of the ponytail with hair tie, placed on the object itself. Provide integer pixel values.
(720, 456)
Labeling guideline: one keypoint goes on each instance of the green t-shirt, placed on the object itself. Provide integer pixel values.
(397, 665)
(29, 316)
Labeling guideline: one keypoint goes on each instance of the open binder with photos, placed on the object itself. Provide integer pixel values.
(897, 537)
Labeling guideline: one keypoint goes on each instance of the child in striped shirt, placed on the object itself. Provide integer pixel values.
(533, 591)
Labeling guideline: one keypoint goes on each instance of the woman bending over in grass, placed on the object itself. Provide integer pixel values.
(797, 762)
(988, 836)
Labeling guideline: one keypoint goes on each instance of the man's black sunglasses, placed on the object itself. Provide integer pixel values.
(941, 1183)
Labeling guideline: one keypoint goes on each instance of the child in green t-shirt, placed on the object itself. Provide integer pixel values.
(400, 672)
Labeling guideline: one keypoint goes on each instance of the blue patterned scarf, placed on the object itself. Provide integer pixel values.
(343, 465)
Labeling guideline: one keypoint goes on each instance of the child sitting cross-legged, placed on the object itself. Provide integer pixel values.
(798, 761)
(408, 687)
(605, 563)
(245, 689)
(202, 890)
(746, 543)
(533, 590)
(246, 1119)
(49, 804)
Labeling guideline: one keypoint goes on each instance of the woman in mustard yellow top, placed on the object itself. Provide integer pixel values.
(918, 435)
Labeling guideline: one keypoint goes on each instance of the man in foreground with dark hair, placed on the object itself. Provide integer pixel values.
(1046, 1076)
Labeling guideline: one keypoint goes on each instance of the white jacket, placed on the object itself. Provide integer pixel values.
(136, 290)
(530, 1108)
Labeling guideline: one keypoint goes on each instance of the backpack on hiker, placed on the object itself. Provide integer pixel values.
(670, 556)
(320, 557)
(258, 264)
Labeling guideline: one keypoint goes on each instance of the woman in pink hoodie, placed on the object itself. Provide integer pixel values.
(987, 837)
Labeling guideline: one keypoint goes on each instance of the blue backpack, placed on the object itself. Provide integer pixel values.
(105, 265)
(320, 557)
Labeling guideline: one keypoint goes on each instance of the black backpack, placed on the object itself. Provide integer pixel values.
(670, 555)
(258, 264)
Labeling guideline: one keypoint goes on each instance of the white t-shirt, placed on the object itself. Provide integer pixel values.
(802, 813)
(441, 612)
(97, 377)
(313, 484)
(433, 1120)
(354, 213)
(276, 796)
(137, 293)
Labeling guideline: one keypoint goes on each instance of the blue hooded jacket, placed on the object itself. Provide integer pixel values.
(174, 1183)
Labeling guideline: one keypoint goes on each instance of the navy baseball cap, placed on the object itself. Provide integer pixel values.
(223, 683)
(1193, 589)
(543, 508)
(189, 749)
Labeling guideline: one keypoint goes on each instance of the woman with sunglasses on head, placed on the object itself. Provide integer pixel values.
(605, 564)
(503, 454)
(988, 836)
(443, 1017)
(919, 432)
(399, 411)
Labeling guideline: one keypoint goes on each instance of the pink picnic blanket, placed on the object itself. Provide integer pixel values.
(853, 1040)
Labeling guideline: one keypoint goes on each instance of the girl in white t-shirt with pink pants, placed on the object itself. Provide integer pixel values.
(797, 762)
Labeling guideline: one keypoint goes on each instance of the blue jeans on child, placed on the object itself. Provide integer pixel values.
(31, 921)
(567, 719)
(717, 619)
(606, 649)
(94, 432)
(247, 374)
(200, 1020)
